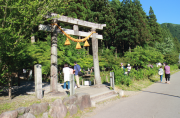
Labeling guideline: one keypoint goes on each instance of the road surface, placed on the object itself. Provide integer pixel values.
(160, 100)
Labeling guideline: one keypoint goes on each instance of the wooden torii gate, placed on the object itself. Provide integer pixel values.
(75, 22)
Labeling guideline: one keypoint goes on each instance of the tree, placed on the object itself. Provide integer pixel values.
(155, 28)
(173, 28)
(144, 56)
(133, 24)
(18, 20)
(166, 47)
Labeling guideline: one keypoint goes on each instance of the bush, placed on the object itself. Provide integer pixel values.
(172, 58)
(174, 67)
(120, 77)
(144, 56)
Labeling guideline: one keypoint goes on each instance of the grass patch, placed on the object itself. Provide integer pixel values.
(136, 85)
(23, 101)
(139, 85)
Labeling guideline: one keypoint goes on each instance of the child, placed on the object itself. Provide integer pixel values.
(160, 72)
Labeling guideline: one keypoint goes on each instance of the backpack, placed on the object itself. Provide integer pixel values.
(160, 72)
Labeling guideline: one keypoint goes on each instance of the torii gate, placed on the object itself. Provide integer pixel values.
(75, 22)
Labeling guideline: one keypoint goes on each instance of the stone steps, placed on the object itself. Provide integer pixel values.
(102, 96)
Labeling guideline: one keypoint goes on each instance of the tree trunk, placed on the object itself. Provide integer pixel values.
(116, 52)
(88, 50)
(101, 46)
(129, 47)
(10, 87)
(54, 67)
(106, 45)
(95, 58)
(123, 47)
(85, 51)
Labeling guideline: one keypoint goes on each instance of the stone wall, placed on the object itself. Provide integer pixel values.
(57, 109)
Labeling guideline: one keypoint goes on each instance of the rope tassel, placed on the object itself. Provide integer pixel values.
(78, 46)
(86, 44)
(67, 42)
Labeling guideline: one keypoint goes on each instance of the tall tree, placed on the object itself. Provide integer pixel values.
(134, 25)
(18, 19)
(155, 28)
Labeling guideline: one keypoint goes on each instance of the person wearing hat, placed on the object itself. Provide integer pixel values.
(129, 68)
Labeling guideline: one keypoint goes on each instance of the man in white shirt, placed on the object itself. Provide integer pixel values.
(129, 68)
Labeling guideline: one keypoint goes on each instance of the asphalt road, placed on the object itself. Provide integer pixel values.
(160, 100)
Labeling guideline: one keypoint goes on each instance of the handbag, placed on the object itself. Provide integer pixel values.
(79, 72)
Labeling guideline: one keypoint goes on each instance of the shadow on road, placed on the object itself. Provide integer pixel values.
(162, 94)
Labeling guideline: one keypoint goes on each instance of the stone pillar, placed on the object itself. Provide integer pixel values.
(38, 81)
(95, 58)
(72, 92)
(54, 66)
(112, 79)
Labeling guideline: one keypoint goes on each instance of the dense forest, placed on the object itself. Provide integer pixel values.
(130, 36)
(173, 28)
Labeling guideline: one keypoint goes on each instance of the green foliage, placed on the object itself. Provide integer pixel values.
(107, 58)
(143, 56)
(127, 27)
(120, 77)
(166, 47)
(173, 28)
(19, 19)
(172, 58)
(155, 28)
(173, 67)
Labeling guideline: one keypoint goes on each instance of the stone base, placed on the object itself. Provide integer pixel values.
(99, 86)
(56, 93)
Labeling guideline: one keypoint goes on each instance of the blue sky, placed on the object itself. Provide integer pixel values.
(166, 11)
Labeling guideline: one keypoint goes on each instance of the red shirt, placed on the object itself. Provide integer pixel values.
(167, 69)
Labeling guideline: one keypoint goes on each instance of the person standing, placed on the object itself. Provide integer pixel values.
(167, 73)
(160, 72)
(66, 71)
(129, 68)
(77, 68)
(122, 66)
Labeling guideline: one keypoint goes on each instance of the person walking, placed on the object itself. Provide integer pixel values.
(129, 68)
(66, 71)
(167, 73)
(77, 68)
(160, 72)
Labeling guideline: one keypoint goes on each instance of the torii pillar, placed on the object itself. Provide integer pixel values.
(95, 58)
(54, 64)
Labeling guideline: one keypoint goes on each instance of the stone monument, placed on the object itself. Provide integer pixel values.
(38, 81)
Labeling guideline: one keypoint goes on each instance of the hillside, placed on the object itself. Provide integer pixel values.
(174, 29)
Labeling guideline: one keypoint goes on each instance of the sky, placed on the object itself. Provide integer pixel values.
(166, 11)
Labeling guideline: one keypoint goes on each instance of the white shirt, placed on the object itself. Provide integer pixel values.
(66, 72)
(129, 68)
(24, 70)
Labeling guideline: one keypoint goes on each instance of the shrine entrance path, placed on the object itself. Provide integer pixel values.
(159, 100)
